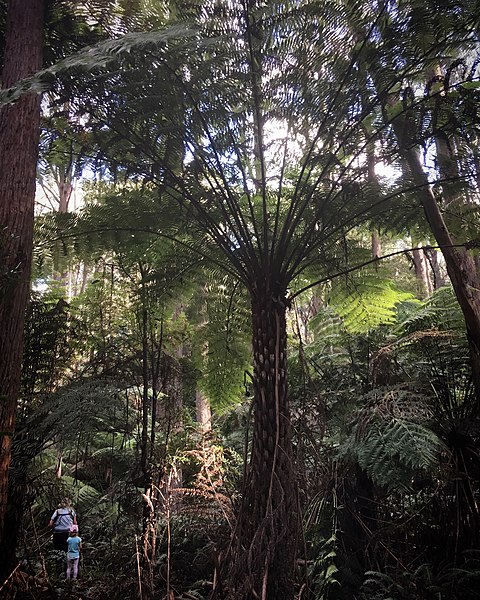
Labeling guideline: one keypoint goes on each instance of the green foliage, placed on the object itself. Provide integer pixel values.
(48, 348)
(201, 207)
(321, 530)
(366, 301)
(426, 582)
(221, 343)
(441, 311)
(393, 450)
(76, 413)
(387, 458)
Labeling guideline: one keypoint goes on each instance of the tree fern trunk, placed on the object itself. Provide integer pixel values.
(19, 130)
(268, 521)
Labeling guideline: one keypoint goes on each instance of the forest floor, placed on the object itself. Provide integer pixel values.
(22, 586)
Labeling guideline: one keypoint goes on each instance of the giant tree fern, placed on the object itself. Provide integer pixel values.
(207, 94)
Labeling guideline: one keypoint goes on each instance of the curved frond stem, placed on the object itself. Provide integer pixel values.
(333, 193)
(255, 68)
(292, 221)
(234, 273)
(280, 190)
(246, 191)
(236, 213)
(356, 219)
(366, 264)
(211, 226)
(357, 124)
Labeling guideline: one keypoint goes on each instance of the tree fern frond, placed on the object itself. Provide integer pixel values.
(440, 311)
(222, 344)
(365, 301)
(398, 449)
(97, 57)
(87, 407)
(393, 441)
(330, 338)
(82, 494)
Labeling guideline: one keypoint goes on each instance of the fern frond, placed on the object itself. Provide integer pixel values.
(222, 343)
(365, 301)
(440, 311)
(393, 441)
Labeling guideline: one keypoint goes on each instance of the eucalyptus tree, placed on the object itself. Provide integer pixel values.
(25, 26)
(19, 130)
(421, 65)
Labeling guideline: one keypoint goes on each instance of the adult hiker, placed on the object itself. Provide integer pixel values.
(62, 520)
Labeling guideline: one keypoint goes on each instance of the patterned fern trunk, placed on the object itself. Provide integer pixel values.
(268, 520)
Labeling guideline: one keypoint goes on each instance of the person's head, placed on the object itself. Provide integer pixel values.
(64, 503)
(73, 530)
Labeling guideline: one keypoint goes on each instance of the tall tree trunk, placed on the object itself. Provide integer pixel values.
(267, 525)
(373, 183)
(376, 244)
(432, 257)
(203, 412)
(420, 263)
(19, 131)
(460, 264)
(85, 274)
(65, 189)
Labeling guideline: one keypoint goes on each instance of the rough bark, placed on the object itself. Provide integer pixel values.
(268, 518)
(19, 131)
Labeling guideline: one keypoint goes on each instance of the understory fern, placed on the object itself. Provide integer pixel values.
(365, 301)
(392, 440)
(321, 526)
(387, 450)
(440, 311)
(425, 582)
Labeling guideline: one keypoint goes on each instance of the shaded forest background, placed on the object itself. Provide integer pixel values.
(240, 275)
